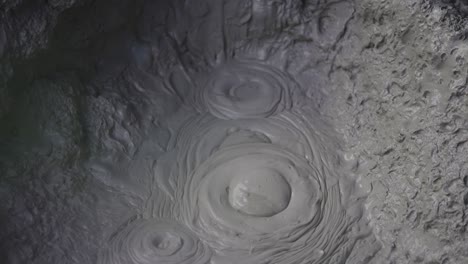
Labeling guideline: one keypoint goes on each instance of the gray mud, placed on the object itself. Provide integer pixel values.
(233, 132)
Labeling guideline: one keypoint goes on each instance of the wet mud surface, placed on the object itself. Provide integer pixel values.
(233, 132)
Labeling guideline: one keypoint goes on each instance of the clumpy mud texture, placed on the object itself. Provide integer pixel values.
(248, 131)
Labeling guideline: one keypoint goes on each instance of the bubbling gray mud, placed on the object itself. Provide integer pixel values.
(245, 89)
(117, 109)
(259, 187)
(162, 241)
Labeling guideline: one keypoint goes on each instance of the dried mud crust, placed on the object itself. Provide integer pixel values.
(403, 107)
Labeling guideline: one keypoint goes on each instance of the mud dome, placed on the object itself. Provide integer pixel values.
(226, 132)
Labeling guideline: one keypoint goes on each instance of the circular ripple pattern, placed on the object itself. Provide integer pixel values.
(154, 242)
(246, 90)
(224, 227)
(263, 190)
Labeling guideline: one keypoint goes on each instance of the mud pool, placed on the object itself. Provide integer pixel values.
(225, 132)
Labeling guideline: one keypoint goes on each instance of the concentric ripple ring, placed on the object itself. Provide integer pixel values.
(246, 89)
(208, 191)
(154, 241)
(262, 190)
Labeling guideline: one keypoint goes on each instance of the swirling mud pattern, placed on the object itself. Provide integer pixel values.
(257, 179)
(244, 90)
(155, 242)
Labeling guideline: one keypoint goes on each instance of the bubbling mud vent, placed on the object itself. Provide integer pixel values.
(254, 177)
(154, 241)
(233, 131)
(245, 90)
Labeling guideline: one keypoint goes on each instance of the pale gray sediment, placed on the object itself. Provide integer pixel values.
(246, 131)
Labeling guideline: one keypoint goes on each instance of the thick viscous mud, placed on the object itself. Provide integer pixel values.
(233, 132)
